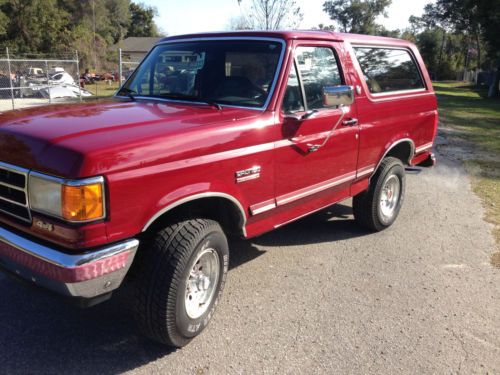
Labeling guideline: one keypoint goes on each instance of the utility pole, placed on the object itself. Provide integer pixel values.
(94, 49)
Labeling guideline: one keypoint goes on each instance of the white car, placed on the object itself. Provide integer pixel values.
(62, 78)
(55, 70)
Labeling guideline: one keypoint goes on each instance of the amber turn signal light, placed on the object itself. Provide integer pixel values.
(82, 203)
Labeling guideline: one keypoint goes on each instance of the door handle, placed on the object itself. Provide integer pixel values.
(350, 122)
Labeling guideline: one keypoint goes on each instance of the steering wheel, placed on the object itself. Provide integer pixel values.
(257, 92)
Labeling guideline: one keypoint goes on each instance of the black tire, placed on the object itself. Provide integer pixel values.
(164, 266)
(367, 207)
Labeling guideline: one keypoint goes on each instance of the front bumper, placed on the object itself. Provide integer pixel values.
(86, 275)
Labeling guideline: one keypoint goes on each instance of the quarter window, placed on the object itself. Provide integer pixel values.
(387, 70)
(293, 101)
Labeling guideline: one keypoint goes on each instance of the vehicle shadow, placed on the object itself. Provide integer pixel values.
(42, 334)
(334, 223)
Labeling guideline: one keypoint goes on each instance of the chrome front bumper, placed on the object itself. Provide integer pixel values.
(87, 275)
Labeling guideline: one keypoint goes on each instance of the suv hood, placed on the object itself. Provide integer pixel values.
(76, 140)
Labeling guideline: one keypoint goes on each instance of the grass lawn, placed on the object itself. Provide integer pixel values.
(101, 89)
(476, 119)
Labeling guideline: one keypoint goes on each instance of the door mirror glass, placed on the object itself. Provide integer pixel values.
(335, 96)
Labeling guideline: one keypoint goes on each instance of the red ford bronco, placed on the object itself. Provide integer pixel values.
(213, 134)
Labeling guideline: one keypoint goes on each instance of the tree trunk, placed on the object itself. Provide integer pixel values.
(493, 91)
(267, 15)
(443, 41)
(466, 62)
(478, 42)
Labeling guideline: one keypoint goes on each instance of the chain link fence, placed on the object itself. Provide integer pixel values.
(27, 81)
(127, 64)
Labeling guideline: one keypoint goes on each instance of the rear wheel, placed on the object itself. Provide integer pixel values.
(180, 278)
(378, 207)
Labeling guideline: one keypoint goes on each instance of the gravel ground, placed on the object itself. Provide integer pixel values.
(317, 296)
(21, 103)
(6, 104)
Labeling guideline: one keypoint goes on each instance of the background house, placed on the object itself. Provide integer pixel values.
(135, 48)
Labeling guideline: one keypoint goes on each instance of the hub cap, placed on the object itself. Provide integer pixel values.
(389, 197)
(202, 282)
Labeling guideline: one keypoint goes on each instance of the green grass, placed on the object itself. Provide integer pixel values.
(477, 120)
(469, 110)
(101, 89)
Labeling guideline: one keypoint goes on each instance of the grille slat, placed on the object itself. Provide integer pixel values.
(13, 192)
(13, 196)
(11, 177)
(11, 186)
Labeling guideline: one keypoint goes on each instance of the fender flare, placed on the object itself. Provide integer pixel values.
(194, 197)
(394, 144)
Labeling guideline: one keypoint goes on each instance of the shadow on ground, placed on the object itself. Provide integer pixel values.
(41, 334)
(334, 223)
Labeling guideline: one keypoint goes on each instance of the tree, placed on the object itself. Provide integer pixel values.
(489, 15)
(356, 16)
(60, 26)
(322, 26)
(4, 20)
(239, 23)
(26, 36)
(428, 27)
(476, 20)
(142, 21)
(120, 18)
(271, 14)
(462, 16)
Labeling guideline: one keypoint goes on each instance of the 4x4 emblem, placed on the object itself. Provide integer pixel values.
(45, 226)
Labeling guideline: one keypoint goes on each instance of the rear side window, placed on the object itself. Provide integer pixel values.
(387, 70)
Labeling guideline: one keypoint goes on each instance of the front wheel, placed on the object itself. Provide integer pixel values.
(378, 207)
(180, 278)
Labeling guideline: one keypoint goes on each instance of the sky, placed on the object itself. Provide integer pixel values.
(191, 16)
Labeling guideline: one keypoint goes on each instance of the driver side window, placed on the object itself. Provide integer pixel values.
(317, 68)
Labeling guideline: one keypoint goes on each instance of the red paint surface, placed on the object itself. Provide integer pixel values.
(154, 153)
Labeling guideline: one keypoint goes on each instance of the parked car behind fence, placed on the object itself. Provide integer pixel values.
(28, 82)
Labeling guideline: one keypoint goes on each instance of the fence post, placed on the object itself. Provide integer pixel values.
(10, 78)
(48, 79)
(120, 71)
(78, 74)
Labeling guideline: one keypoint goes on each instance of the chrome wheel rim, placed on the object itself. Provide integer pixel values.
(389, 196)
(201, 282)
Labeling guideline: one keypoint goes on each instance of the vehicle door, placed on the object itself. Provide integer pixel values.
(319, 148)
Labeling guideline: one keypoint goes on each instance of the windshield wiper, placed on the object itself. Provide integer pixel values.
(191, 98)
(129, 92)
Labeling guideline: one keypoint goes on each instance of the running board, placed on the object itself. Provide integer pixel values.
(413, 170)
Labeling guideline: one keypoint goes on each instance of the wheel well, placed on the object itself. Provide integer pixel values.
(222, 210)
(403, 151)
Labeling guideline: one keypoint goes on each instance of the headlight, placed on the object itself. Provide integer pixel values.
(71, 200)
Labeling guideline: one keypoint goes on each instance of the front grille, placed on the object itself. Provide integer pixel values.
(13, 192)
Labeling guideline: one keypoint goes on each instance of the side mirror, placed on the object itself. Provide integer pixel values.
(335, 96)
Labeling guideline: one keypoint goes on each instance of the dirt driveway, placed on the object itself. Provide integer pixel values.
(317, 296)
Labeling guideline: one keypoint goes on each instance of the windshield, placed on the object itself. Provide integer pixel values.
(232, 72)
